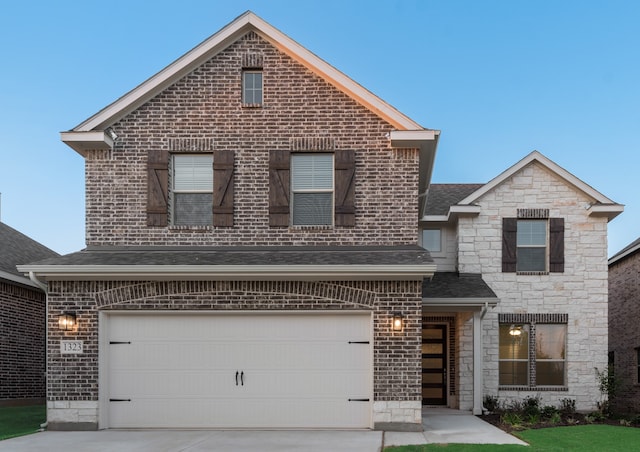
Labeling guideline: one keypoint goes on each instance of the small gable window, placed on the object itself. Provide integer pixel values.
(191, 196)
(252, 87)
(312, 189)
(531, 246)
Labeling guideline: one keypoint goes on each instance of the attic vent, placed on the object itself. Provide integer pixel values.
(312, 144)
(533, 213)
(252, 60)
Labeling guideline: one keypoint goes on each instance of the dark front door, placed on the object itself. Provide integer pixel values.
(434, 365)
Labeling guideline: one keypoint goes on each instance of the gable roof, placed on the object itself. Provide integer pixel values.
(625, 252)
(16, 249)
(93, 134)
(601, 206)
(441, 197)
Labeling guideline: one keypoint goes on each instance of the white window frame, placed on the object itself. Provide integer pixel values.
(295, 190)
(174, 190)
(440, 249)
(253, 89)
(545, 246)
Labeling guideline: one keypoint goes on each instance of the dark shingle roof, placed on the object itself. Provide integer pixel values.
(456, 285)
(245, 255)
(443, 196)
(16, 249)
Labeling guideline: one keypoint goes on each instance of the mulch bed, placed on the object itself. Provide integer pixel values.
(566, 420)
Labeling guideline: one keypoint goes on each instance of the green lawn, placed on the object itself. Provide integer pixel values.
(21, 420)
(582, 438)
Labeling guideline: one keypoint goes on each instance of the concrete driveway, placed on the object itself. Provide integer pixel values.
(192, 441)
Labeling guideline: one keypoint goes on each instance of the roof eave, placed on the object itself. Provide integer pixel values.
(81, 142)
(610, 211)
(230, 272)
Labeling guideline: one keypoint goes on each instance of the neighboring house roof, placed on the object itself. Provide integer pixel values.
(441, 197)
(15, 249)
(457, 289)
(273, 263)
(600, 206)
(625, 252)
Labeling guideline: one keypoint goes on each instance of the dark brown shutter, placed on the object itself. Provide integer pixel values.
(345, 169)
(157, 187)
(223, 173)
(279, 169)
(556, 245)
(509, 244)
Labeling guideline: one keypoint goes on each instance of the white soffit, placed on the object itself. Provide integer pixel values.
(221, 40)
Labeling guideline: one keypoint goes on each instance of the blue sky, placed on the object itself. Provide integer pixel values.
(498, 78)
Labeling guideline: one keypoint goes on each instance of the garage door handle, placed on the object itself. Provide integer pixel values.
(242, 377)
(236, 378)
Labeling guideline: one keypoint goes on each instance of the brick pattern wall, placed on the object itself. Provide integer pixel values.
(396, 354)
(22, 343)
(580, 291)
(205, 107)
(624, 335)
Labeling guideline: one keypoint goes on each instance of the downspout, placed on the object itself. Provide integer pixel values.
(34, 279)
(482, 314)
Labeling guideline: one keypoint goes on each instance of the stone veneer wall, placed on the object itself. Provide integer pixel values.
(580, 291)
(22, 344)
(203, 111)
(624, 334)
(73, 379)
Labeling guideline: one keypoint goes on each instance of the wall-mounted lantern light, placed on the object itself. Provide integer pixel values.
(67, 321)
(396, 322)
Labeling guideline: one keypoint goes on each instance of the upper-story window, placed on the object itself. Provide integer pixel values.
(309, 189)
(432, 240)
(312, 189)
(531, 250)
(252, 87)
(533, 242)
(191, 195)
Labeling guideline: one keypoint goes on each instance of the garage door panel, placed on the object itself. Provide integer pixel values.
(297, 371)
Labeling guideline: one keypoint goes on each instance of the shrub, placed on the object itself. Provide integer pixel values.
(556, 418)
(567, 406)
(531, 406)
(491, 403)
(513, 419)
(548, 410)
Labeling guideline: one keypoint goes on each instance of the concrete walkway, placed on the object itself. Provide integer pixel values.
(441, 426)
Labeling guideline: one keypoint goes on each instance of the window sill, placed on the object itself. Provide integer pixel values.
(251, 105)
(533, 388)
(190, 228)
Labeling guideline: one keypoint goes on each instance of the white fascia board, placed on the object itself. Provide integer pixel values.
(18, 279)
(621, 256)
(464, 210)
(221, 40)
(231, 272)
(411, 138)
(435, 218)
(605, 210)
(84, 141)
(549, 165)
(459, 302)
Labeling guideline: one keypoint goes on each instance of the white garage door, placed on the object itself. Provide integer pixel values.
(239, 370)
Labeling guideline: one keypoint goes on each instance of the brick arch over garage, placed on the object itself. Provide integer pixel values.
(122, 293)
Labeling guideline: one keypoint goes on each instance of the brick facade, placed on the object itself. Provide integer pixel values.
(624, 335)
(22, 344)
(579, 293)
(397, 372)
(203, 112)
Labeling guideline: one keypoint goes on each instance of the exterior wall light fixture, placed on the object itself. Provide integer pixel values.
(396, 322)
(67, 321)
(515, 331)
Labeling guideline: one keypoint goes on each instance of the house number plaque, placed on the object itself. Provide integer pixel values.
(71, 347)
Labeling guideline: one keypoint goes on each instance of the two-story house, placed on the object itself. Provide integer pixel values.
(257, 226)
(252, 256)
(521, 286)
(624, 335)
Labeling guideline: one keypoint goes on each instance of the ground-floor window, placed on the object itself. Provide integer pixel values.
(532, 352)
